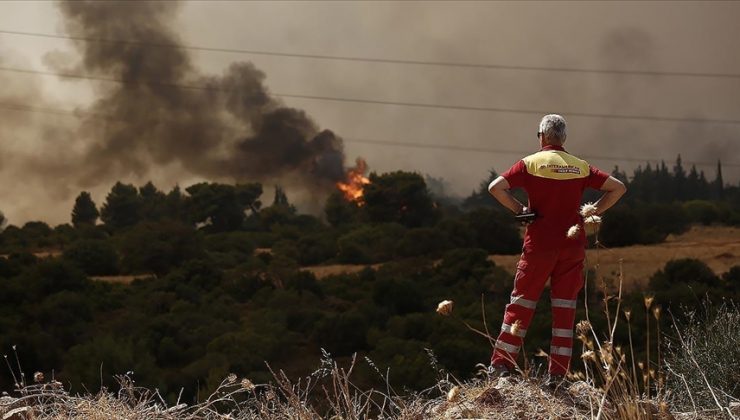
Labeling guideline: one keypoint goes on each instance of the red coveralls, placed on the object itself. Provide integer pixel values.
(554, 181)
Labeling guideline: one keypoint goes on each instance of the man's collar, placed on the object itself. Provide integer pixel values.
(552, 147)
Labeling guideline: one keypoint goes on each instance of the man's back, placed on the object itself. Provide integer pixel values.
(554, 181)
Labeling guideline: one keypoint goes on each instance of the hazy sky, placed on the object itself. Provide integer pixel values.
(652, 36)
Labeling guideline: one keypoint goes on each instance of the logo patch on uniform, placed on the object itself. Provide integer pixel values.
(562, 169)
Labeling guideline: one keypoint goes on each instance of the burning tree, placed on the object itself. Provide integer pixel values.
(353, 186)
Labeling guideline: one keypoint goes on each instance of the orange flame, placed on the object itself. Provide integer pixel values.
(354, 182)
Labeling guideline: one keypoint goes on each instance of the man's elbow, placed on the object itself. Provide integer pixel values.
(614, 186)
(498, 184)
(621, 188)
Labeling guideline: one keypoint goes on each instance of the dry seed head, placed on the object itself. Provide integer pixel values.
(652, 373)
(515, 327)
(628, 314)
(541, 353)
(573, 231)
(606, 355)
(641, 365)
(649, 301)
(445, 307)
(592, 220)
(583, 327)
(231, 378)
(663, 407)
(38, 377)
(589, 355)
(588, 209)
(656, 312)
(247, 385)
(453, 394)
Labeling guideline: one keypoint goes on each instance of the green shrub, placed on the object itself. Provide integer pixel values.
(316, 248)
(369, 244)
(158, 247)
(701, 211)
(494, 231)
(685, 280)
(94, 257)
(422, 242)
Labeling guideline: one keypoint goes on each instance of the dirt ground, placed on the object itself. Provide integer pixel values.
(122, 279)
(717, 246)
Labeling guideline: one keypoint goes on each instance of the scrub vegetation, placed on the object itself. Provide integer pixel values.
(222, 290)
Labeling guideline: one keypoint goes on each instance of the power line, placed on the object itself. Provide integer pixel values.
(385, 60)
(513, 110)
(56, 111)
(399, 103)
(519, 152)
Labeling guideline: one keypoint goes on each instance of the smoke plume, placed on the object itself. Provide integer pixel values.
(164, 112)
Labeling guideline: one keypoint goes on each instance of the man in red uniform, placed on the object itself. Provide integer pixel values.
(554, 181)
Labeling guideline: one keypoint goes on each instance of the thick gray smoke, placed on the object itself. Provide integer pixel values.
(164, 112)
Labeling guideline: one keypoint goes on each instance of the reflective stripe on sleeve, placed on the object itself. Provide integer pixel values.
(518, 300)
(509, 348)
(562, 332)
(521, 332)
(561, 351)
(564, 303)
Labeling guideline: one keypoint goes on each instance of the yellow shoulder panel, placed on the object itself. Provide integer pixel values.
(555, 164)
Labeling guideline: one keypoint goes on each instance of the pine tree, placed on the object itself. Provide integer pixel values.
(719, 184)
(153, 205)
(281, 199)
(84, 211)
(679, 181)
(122, 206)
(693, 184)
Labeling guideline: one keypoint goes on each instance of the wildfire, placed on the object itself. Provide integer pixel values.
(354, 182)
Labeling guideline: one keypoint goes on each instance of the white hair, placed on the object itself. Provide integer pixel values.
(553, 126)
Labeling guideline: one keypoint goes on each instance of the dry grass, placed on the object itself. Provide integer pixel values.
(606, 391)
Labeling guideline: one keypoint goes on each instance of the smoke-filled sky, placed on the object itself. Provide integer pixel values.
(240, 129)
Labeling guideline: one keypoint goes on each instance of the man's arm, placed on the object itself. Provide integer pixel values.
(499, 189)
(614, 190)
